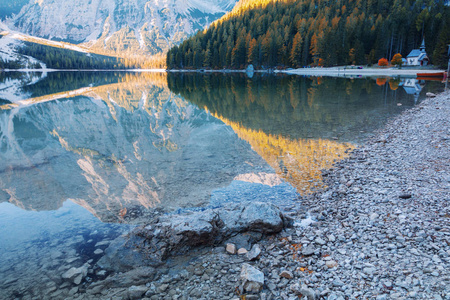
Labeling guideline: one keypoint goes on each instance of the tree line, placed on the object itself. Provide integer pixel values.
(297, 33)
(61, 58)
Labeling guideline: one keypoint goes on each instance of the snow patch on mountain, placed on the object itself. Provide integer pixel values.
(9, 43)
(157, 25)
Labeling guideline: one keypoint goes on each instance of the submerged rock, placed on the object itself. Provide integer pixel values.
(136, 292)
(136, 277)
(76, 275)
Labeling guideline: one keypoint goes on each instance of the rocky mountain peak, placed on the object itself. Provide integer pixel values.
(138, 26)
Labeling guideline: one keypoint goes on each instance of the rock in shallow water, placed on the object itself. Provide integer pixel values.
(136, 292)
(76, 275)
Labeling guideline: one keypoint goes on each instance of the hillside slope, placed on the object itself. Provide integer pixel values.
(125, 26)
(289, 33)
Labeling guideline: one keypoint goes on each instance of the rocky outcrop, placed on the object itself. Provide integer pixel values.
(176, 234)
(141, 26)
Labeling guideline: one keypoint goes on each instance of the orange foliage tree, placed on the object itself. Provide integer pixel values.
(397, 60)
(383, 62)
(393, 84)
(381, 81)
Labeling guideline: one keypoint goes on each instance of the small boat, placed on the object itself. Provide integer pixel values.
(434, 74)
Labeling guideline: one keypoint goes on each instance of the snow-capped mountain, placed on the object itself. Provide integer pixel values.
(138, 26)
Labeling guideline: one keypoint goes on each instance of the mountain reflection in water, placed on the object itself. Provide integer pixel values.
(114, 142)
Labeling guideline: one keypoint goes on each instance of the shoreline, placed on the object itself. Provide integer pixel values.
(369, 72)
(344, 72)
(380, 230)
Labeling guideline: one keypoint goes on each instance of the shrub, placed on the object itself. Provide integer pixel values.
(383, 62)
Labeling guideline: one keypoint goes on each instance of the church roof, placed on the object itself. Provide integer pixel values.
(422, 56)
(415, 53)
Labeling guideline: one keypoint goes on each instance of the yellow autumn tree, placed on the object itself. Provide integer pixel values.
(397, 60)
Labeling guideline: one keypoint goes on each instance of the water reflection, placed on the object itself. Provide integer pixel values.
(300, 162)
(115, 149)
(117, 143)
(413, 87)
(298, 107)
(299, 125)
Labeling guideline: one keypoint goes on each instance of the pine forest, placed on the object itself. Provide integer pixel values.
(292, 34)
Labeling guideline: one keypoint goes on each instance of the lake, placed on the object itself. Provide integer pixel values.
(87, 156)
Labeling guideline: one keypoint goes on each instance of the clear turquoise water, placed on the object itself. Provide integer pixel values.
(85, 156)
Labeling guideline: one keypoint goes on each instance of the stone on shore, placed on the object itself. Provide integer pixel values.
(308, 250)
(286, 274)
(254, 253)
(231, 248)
(252, 279)
(303, 291)
(242, 251)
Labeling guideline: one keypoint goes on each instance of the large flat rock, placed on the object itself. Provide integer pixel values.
(177, 234)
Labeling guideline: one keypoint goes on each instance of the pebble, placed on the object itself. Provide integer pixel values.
(252, 278)
(136, 292)
(163, 287)
(242, 251)
(231, 248)
(308, 250)
(320, 241)
(405, 196)
(254, 253)
(286, 274)
(331, 264)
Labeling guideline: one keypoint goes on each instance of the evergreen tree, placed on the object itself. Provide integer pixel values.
(290, 33)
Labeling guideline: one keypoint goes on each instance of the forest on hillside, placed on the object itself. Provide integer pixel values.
(297, 33)
(62, 58)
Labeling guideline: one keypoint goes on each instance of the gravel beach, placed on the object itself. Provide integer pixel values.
(381, 230)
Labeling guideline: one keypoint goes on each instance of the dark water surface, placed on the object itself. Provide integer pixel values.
(85, 156)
